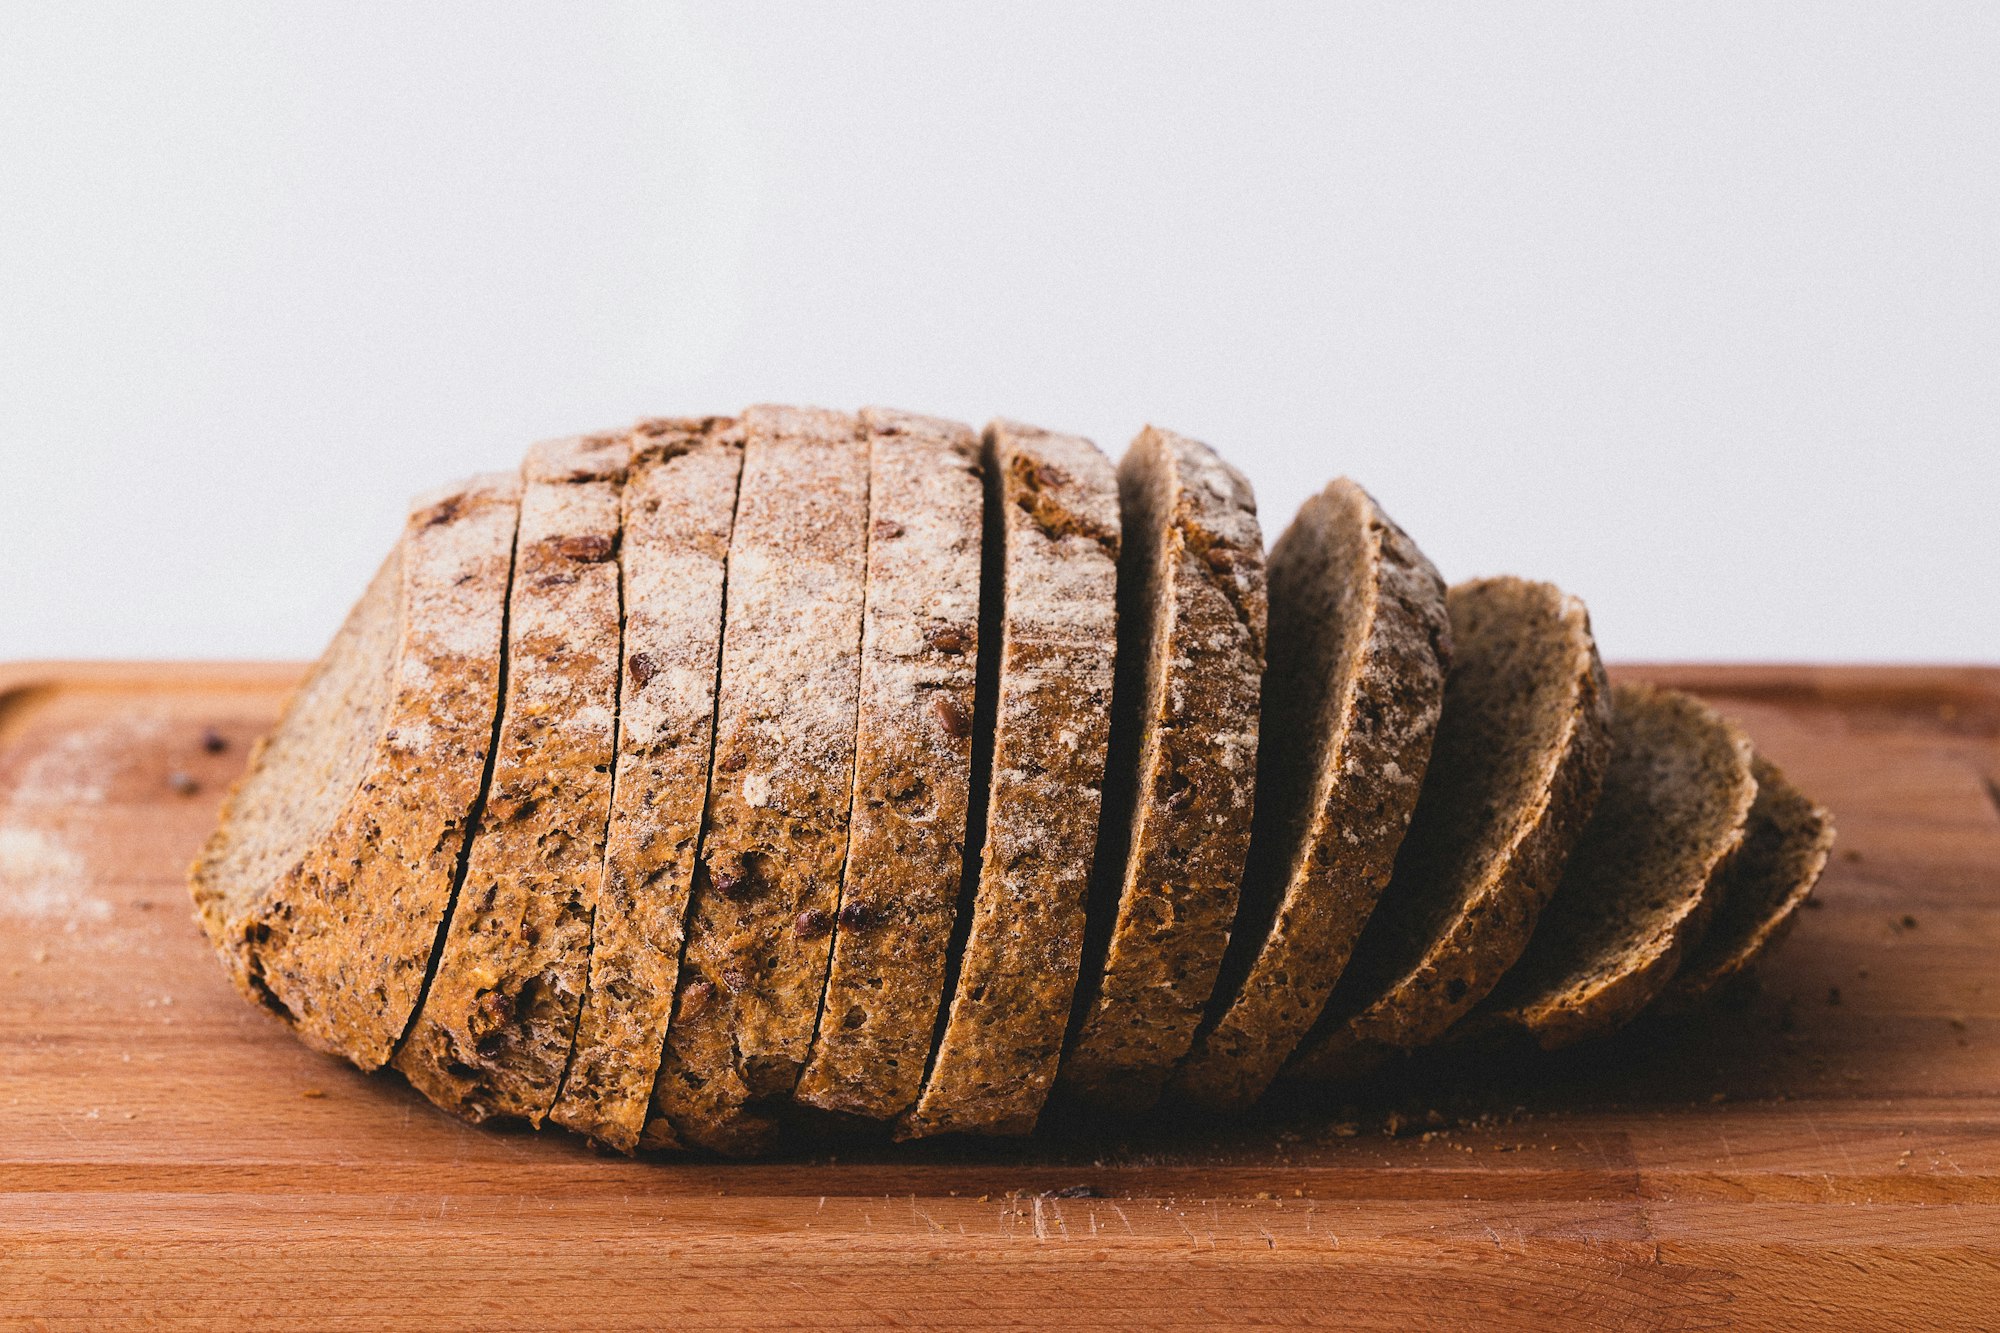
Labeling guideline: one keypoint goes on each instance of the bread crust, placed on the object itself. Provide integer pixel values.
(1514, 774)
(755, 962)
(1360, 642)
(1786, 843)
(678, 506)
(1176, 827)
(337, 935)
(912, 769)
(1054, 501)
(492, 1037)
(1640, 887)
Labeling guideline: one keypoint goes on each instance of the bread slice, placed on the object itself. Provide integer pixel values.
(492, 1037)
(326, 881)
(1191, 615)
(1640, 886)
(1360, 642)
(1516, 768)
(678, 505)
(1052, 557)
(768, 877)
(912, 769)
(1784, 849)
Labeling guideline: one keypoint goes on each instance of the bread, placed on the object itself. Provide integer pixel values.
(1785, 846)
(768, 884)
(1639, 888)
(1182, 773)
(332, 866)
(677, 508)
(716, 781)
(912, 769)
(1053, 559)
(1360, 642)
(1515, 771)
(492, 1037)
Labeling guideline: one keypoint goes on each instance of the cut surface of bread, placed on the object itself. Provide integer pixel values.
(678, 505)
(492, 1037)
(1182, 775)
(912, 769)
(332, 866)
(1514, 773)
(1785, 847)
(1360, 642)
(1639, 888)
(1052, 510)
(768, 876)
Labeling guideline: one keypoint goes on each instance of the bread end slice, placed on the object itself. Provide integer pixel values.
(332, 865)
(1784, 850)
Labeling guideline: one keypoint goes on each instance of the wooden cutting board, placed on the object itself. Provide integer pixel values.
(1828, 1155)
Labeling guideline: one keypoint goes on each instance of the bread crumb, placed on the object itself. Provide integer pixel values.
(313, 1094)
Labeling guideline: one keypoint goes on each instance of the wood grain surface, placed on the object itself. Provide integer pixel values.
(1826, 1154)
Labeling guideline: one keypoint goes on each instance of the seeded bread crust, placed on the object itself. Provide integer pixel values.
(325, 882)
(1054, 499)
(1785, 847)
(1360, 642)
(913, 760)
(768, 881)
(1515, 771)
(678, 505)
(1639, 889)
(1176, 826)
(492, 1038)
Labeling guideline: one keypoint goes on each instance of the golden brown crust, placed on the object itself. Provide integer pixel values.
(775, 838)
(1192, 612)
(1055, 501)
(334, 927)
(1785, 847)
(493, 1035)
(678, 506)
(1640, 887)
(913, 757)
(1359, 646)
(1515, 771)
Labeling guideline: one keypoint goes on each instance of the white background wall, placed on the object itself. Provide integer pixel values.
(1692, 308)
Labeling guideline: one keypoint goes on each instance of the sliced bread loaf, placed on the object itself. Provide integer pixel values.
(1519, 757)
(492, 1037)
(1182, 773)
(332, 868)
(679, 503)
(1784, 849)
(768, 879)
(1639, 888)
(1052, 559)
(1360, 642)
(912, 769)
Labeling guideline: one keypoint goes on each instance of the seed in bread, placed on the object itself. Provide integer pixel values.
(912, 769)
(1785, 847)
(754, 965)
(1519, 758)
(679, 503)
(1360, 642)
(1639, 888)
(1052, 556)
(1182, 774)
(332, 865)
(492, 1037)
